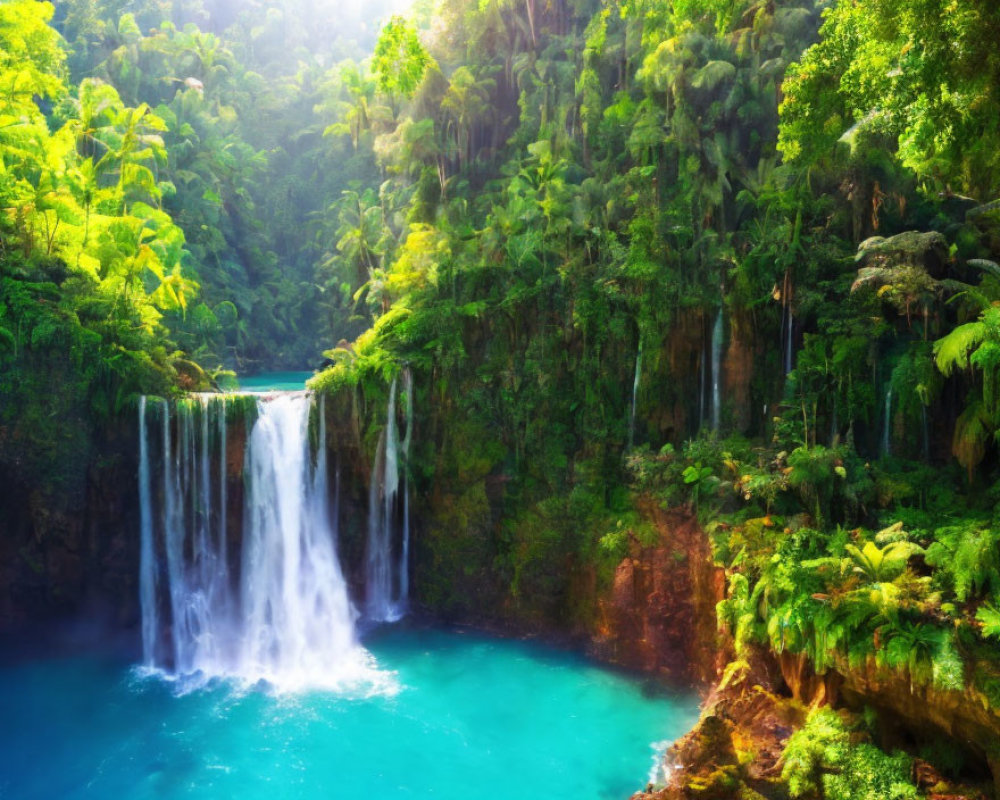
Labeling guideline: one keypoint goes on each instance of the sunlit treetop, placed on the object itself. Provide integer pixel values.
(925, 73)
(32, 61)
(400, 59)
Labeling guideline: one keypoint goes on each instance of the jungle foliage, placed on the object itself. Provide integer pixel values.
(739, 255)
(576, 197)
(163, 189)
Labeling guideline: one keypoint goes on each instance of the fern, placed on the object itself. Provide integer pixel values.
(927, 653)
(973, 430)
(970, 558)
(947, 669)
(952, 351)
(884, 564)
(988, 616)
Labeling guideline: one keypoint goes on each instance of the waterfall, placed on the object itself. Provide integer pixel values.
(299, 620)
(377, 579)
(281, 612)
(887, 428)
(635, 395)
(174, 548)
(404, 557)
(195, 557)
(147, 572)
(386, 585)
(222, 579)
(717, 336)
(789, 346)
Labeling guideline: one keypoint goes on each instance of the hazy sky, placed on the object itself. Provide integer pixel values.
(354, 6)
(351, 9)
(347, 19)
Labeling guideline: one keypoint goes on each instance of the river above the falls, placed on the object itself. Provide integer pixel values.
(461, 715)
(274, 381)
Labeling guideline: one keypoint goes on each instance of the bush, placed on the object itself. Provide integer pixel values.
(824, 760)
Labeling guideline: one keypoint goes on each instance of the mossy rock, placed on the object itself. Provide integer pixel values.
(722, 783)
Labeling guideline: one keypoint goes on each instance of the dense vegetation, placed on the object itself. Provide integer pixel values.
(666, 197)
(737, 255)
(163, 190)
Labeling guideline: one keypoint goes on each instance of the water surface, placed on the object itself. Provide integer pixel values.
(470, 717)
(274, 381)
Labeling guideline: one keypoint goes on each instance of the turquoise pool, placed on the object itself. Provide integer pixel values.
(458, 717)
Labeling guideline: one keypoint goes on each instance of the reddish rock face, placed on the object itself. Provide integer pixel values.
(738, 367)
(659, 615)
(743, 716)
(684, 353)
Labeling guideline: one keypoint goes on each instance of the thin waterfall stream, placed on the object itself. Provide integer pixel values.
(717, 340)
(388, 546)
(887, 424)
(404, 556)
(147, 566)
(382, 490)
(635, 395)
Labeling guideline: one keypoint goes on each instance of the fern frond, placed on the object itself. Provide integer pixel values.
(989, 617)
(952, 351)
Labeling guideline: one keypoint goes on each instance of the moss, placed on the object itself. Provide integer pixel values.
(458, 548)
(830, 757)
(719, 784)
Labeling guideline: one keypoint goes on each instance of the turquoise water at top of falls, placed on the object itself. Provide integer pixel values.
(274, 382)
(470, 717)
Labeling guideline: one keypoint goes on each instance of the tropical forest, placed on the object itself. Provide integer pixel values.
(507, 399)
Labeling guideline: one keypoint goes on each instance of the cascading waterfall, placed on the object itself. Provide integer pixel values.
(186, 504)
(147, 572)
(635, 395)
(387, 578)
(195, 558)
(283, 615)
(404, 557)
(382, 489)
(787, 332)
(717, 337)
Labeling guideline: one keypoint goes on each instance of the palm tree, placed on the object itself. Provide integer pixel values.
(975, 346)
(466, 102)
(361, 234)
